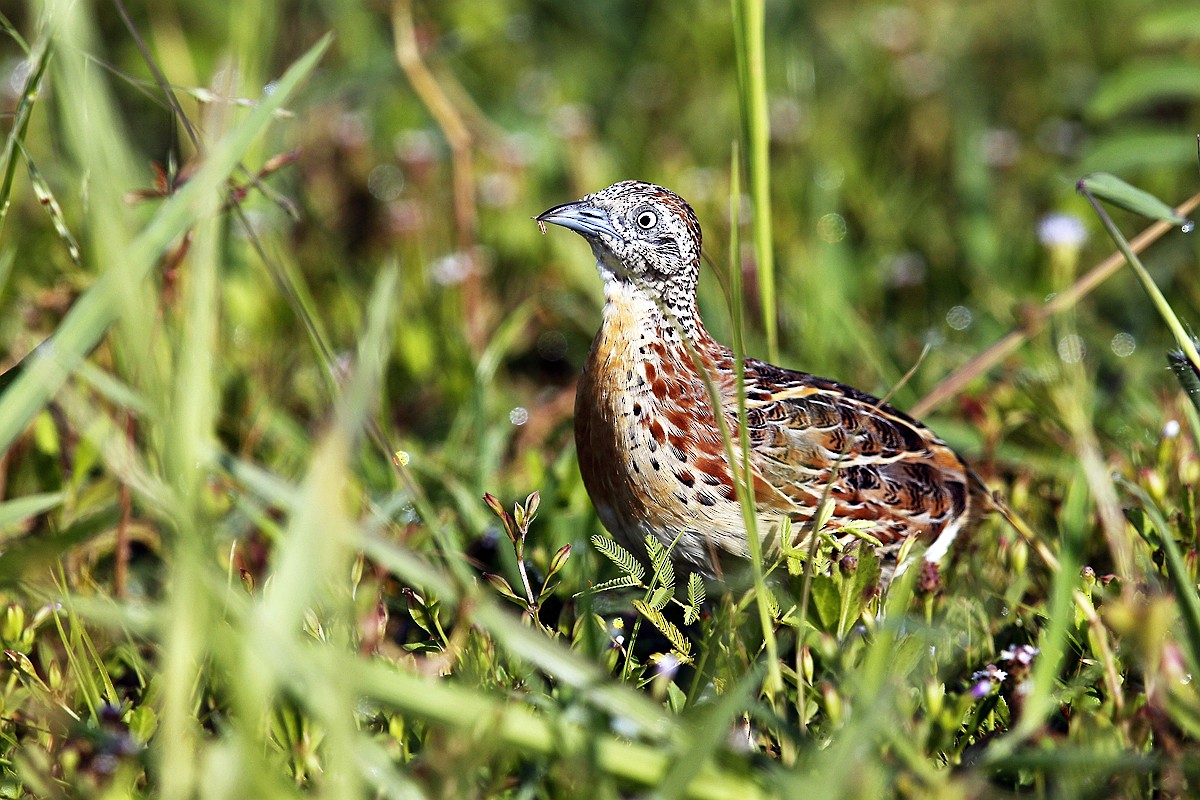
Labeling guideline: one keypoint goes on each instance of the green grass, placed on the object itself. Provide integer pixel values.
(255, 403)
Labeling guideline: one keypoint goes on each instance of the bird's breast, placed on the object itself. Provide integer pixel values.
(650, 450)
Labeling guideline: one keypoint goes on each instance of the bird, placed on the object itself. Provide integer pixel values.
(648, 432)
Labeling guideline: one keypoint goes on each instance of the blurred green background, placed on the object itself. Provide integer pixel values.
(924, 158)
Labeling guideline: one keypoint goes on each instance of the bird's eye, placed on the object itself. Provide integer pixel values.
(647, 219)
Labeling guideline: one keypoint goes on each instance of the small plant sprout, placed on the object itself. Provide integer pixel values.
(516, 527)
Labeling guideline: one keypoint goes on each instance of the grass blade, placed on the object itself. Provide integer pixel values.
(97, 308)
(1187, 374)
(748, 29)
(22, 508)
(29, 94)
(1183, 585)
(1186, 345)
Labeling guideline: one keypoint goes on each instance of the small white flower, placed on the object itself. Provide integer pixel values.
(1061, 230)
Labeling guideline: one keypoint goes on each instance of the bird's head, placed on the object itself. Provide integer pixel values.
(641, 234)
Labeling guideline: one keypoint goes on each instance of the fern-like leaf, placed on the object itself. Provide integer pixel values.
(660, 560)
(695, 598)
(619, 556)
(772, 603)
(623, 582)
(660, 597)
(683, 647)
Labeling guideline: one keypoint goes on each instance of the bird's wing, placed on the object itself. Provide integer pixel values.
(814, 438)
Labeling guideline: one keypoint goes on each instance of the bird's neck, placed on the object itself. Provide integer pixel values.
(639, 314)
(638, 325)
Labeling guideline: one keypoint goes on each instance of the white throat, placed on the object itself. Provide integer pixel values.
(629, 305)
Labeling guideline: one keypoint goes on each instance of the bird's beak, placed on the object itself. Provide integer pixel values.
(581, 217)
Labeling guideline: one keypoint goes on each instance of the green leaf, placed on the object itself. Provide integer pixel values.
(683, 647)
(857, 587)
(826, 601)
(143, 722)
(1130, 148)
(660, 561)
(618, 555)
(771, 601)
(1106, 186)
(1161, 304)
(660, 597)
(19, 124)
(502, 586)
(49, 202)
(1186, 374)
(623, 582)
(1143, 83)
(22, 508)
(422, 613)
(695, 598)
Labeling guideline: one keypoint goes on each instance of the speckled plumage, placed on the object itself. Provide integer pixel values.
(650, 450)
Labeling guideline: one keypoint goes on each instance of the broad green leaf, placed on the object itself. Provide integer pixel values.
(1141, 84)
(1106, 186)
(1134, 148)
(23, 508)
(826, 601)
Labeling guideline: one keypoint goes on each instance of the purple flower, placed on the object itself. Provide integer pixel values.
(986, 679)
(1021, 655)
